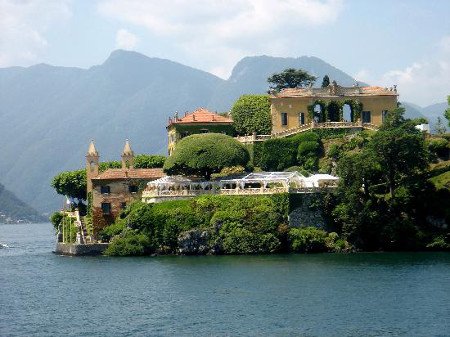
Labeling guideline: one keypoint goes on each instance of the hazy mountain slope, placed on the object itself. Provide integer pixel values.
(431, 113)
(249, 76)
(413, 111)
(49, 114)
(13, 209)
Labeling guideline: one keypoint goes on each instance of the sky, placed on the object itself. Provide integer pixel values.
(382, 42)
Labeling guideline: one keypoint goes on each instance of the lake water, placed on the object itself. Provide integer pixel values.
(376, 294)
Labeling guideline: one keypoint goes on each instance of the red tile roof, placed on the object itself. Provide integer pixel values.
(201, 115)
(119, 174)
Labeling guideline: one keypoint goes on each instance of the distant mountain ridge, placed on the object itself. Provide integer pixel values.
(49, 114)
(14, 210)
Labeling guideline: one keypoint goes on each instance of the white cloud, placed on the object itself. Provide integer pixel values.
(23, 25)
(126, 40)
(423, 82)
(223, 31)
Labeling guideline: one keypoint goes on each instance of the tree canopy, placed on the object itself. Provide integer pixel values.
(71, 184)
(325, 81)
(399, 148)
(291, 78)
(251, 113)
(447, 112)
(204, 154)
(149, 161)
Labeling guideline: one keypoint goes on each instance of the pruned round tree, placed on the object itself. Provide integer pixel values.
(251, 113)
(71, 184)
(205, 154)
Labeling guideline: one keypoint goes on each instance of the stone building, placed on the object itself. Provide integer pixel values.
(110, 191)
(198, 121)
(293, 108)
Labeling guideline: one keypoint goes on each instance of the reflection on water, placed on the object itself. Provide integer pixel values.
(370, 294)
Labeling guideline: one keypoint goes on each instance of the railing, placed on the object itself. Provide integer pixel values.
(253, 138)
(175, 193)
(370, 126)
(307, 127)
(146, 195)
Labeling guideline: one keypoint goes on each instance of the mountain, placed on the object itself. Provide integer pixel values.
(249, 76)
(431, 113)
(13, 210)
(49, 114)
(413, 111)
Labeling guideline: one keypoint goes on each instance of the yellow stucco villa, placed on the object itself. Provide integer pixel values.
(294, 108)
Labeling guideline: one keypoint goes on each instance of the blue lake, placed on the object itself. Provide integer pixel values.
(368, 294)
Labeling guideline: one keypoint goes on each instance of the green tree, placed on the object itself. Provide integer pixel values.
(399, 148)
(325, 81)
(291, 78)
(278, 154)
(439, 127)
(204, 154)
(149, 161)
(447, 112)
(251, 113)
(71, 184)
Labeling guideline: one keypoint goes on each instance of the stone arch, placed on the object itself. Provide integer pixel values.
(318, 111)
(334, 111)
(347, 112)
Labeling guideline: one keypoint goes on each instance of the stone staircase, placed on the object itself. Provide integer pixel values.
(308, 127)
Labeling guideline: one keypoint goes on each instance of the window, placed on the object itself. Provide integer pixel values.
(301, 118)
(123, 205)
(133, 189)
(366, 118)
(284, 119)
(106, 208)
(105, 189)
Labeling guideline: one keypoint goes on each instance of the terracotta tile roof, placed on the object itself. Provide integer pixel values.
(336, 91)
(201, 115)
(119, 174)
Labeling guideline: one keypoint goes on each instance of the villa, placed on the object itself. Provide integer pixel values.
(198, 121)
(332, 106)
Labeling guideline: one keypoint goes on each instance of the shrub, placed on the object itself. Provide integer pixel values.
(308, 240)
(56, 219)
(251, 113)
(439, 243)
(278, 154)
(242, 241)
(306, 137)
(205, 154)
(308, 155)
(439, 147)
(130, 243)
(149, 161)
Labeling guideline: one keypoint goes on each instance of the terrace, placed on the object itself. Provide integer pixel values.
(179, 187)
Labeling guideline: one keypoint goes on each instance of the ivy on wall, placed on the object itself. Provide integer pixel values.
(335, 110)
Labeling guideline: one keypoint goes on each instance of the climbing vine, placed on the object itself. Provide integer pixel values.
(323, 110)
(355, 108)
(328, 109)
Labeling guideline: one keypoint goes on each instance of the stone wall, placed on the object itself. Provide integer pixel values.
(306, 210)
(80, 250)
(119, 193)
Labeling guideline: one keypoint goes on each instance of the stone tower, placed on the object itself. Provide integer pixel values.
(92, 160)
(127, 156)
